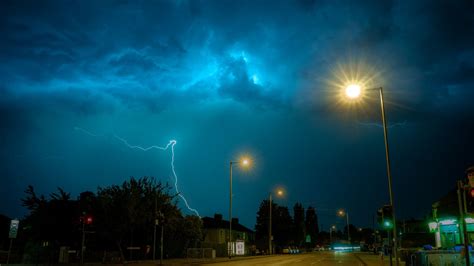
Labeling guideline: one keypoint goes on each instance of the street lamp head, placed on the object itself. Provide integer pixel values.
(353, 91)
(245, 162)
(280, 192)
(341, 212)
(333, 227)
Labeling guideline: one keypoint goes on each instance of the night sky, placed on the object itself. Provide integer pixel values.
(226, 78)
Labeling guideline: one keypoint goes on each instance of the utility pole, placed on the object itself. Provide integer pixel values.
(463, 221)
(230, 212)
(270, 248)
(348, 231)
(162, 218)
(83, 239)
(9, 250)
(331, 229)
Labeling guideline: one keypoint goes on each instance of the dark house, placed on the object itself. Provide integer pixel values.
(216, 234)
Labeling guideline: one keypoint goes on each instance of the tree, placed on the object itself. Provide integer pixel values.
(50, 219)
(122, 215)
(31, 201)
(312, 228)
(354, 232)
(261, 226)
(126, 213)
(4, 229)
(282, 224)
(299, 224)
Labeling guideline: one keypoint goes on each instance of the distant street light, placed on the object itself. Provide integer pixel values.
(279, 193)
(353, 91)
(245, 162)
(331, 229)
(343, 213)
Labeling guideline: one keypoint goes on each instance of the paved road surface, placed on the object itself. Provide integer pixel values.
(316, 258)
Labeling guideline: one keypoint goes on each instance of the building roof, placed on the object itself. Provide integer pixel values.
(218, 223)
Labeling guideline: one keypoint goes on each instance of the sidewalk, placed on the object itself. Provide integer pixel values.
(176, 262)
(370, 259)
(166, 262)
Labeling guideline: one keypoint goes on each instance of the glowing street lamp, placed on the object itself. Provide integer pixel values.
(353, 91)
(279, 193)
(343, 213)
(245, 162)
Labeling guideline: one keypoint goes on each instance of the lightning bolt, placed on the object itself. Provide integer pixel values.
(171, 144)
(87, 132)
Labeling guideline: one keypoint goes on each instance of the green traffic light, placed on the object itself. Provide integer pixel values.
(387, 224)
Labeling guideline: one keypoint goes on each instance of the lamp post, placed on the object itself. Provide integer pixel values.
(162, 221)
(343, 213)
(86, 219)
(270, 225)
(270, 240)
(245, 162)
(353, 91)
(331, 229)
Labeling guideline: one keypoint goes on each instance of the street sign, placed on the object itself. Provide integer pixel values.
(14, 224)
(240, 248)
(308, 239)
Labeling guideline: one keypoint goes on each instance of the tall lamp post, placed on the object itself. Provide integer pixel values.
(331, 229)
(244, 162)
(353, 91)
(270, 237)
(343, 213)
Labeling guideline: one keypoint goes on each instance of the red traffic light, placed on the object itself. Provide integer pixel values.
(471, 192)
(88, 219)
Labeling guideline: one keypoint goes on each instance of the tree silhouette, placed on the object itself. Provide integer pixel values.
(122, 216)
(312, 228)
(282, 225)
(299, 224)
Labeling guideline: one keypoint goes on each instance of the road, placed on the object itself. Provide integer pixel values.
(315, 258)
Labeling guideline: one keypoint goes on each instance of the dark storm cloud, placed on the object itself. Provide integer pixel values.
(237, 84)
(134, 48)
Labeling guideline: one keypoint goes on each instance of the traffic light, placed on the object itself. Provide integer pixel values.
(470, 200)
(380, 217)
(387, 213)
(470, 190)
(87, 219)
